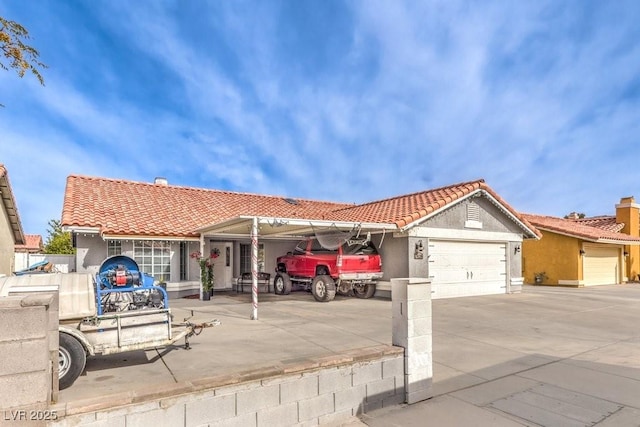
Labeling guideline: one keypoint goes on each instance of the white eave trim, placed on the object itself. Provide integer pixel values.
(154, 238)
(77, 229)
(298, 222)
(106, 236)
(618, 242)
(463, 235)
(592, 240)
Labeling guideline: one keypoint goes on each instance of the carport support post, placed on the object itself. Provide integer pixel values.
(254, 269)
(412, 329)
(201, 254)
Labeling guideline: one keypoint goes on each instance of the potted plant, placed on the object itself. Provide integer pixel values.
(206, 274)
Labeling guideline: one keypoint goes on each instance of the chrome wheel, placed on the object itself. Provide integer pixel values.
(323, 288)
(64, 362)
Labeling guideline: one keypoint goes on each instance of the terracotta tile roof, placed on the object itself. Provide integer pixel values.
(576, 229)
(10, 206)
(33, 243)
(604, 222)
(406, 209)
(122, 207)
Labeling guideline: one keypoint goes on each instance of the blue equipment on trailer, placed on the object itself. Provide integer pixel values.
(120, 286)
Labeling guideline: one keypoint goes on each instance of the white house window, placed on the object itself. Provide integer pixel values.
(114, 247)
(245, 258)
(153, 258)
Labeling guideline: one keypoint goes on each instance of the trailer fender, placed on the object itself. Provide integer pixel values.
(79, 336)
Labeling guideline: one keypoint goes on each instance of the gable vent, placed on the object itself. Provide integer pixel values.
(473, 212)
(473, 216)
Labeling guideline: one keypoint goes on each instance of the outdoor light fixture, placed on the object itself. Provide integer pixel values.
(516, 249)
(418, 252)
(626, 253)
(582, 252)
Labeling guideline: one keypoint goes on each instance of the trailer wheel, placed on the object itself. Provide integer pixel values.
(71, 360)
(323, 288)
(282, 284)
(364, 291)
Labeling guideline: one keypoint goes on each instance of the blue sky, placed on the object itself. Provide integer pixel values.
(334, 100)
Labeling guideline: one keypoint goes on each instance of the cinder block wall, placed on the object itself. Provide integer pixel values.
(325, 391)
(412, 330)
(29, 350)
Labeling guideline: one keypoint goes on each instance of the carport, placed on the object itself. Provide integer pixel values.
(280, 228)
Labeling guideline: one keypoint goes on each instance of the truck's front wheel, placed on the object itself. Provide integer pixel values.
(282, 284)
(71, 360)
(323, 288)
(364, 291)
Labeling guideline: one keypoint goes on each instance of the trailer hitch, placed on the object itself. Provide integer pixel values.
(196, 329)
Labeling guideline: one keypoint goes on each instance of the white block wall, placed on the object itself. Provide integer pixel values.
(305, 395)
(412, 330)
(28, 351)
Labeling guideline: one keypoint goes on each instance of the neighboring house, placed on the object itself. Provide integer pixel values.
(11, 233)
(29, 253)
(575, 251)
(464, 236)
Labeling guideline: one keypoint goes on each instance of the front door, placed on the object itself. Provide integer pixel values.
(221, 253)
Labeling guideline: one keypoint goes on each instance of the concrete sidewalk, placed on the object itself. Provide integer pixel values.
(547, 356)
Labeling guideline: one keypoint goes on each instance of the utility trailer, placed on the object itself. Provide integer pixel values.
(116, 311)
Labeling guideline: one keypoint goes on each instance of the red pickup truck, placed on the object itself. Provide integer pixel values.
(353, 268)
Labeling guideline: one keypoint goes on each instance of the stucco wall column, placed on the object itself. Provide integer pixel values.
(412, 329)
(628, 212)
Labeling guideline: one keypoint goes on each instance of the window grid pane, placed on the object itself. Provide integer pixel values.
(114, 247)
(153, 258)
(245, 258)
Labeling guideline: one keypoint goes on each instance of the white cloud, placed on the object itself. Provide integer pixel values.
(536, 98)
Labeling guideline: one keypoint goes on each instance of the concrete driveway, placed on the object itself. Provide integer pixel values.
(290, 329)
(547, 356)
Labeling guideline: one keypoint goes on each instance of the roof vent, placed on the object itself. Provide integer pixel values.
(291, 201)
(160, 181)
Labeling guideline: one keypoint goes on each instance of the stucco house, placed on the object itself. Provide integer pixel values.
(464, 236)
(11, 233)
(576, 251)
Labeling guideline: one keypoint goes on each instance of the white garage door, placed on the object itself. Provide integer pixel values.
(459, 269)
(601, 265)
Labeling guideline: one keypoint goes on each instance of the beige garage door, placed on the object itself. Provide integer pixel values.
(460, 269)
(601, 264)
